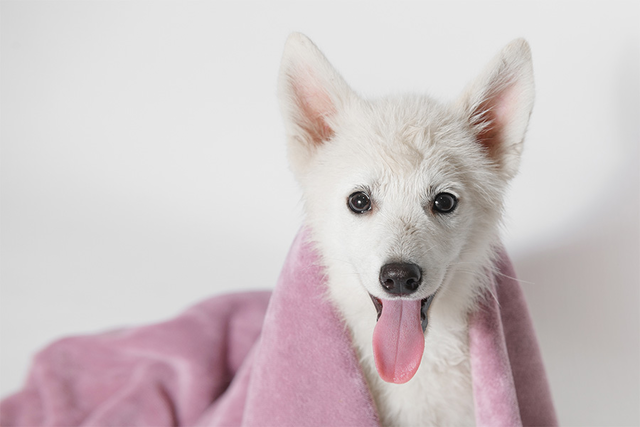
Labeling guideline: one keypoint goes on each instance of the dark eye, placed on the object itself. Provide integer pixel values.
(359, 202)
(445, 203)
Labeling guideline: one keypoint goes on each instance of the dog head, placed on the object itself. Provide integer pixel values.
(403, 192)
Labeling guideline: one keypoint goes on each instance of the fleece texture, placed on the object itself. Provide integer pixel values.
(267, 359)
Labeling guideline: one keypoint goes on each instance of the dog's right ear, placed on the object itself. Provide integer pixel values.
(311, 94)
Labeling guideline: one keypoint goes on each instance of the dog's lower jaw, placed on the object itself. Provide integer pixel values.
(440, 393)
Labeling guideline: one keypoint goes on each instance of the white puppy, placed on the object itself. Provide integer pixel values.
(404, 198)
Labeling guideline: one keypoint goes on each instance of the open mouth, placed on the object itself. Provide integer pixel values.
(424, 309)
(398, 337)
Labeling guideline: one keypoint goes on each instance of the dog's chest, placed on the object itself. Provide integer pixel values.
(440, 394)
(434, 397)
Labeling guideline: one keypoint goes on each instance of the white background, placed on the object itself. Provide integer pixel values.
(143, 163)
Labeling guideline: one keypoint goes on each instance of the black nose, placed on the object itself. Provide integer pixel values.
(400, 278)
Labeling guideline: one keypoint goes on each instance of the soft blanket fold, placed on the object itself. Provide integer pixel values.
(262, 359)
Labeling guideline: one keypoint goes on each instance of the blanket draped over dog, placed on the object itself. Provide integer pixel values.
(267, 359)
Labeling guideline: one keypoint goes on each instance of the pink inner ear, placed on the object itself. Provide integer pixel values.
(495, 114)
(315, 106)
(505, 104)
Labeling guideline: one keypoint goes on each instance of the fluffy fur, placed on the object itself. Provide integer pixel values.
(403, 151)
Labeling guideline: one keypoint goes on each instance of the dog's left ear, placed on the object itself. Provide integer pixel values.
(312, 94)
(498, 105)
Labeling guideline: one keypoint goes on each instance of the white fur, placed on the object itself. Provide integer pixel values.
(403, 151)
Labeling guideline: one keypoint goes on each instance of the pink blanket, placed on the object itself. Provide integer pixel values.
(262, 359)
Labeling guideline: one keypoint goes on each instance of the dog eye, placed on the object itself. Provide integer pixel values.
(445, 203)
(359, 202)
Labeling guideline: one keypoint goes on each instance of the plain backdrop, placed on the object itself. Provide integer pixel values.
(144, 169)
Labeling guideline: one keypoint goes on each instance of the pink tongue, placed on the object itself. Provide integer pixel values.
(398, 340)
